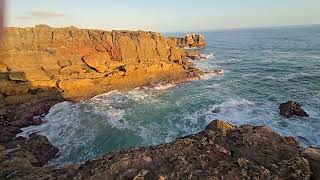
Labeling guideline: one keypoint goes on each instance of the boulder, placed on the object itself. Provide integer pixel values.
(292, 108)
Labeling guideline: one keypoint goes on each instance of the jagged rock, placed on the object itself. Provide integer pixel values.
(24, 156)
(220, 126)
(292, 108)
(313, 156)
(246, 152)
(194, 55)
(190, 41)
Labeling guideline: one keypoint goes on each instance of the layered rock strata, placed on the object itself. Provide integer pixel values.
(222, 151)
(190, 41)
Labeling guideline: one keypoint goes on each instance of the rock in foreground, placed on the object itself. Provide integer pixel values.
(222, 151)
(292, 108)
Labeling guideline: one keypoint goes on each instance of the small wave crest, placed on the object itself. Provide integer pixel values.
(214, 73)
(208, 56)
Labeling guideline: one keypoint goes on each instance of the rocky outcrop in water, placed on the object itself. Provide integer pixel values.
(190, 41)
(222, 151)
(292, 108)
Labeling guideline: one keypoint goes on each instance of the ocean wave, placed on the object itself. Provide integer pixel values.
(214, 73)
(163, 86)
(287, 76)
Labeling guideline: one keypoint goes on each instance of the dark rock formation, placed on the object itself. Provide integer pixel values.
(292, 108)
(313, 156)
(23, 156)
(190, 41)
(222, 151)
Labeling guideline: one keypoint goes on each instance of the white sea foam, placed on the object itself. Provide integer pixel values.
(164, 86)
(114, 118)
(214, 73)
(208, 56)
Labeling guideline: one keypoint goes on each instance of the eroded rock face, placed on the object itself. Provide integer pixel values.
(292, 108)
(244, 152)
(82, 63)
(190, 41)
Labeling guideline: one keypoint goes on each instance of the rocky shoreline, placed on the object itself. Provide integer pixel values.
(221, 151)
(42, 66)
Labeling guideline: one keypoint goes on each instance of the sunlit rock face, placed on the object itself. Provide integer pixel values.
(81, 63)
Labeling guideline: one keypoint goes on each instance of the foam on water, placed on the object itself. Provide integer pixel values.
(208, 56)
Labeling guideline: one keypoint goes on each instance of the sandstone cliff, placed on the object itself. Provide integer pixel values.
(190, 41)
(80, 63)
(42, 66)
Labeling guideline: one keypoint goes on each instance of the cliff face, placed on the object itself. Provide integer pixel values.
(42, 66)
(190, 41)
(77, 63)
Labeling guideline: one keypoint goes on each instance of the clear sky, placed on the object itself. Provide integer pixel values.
(163, 15)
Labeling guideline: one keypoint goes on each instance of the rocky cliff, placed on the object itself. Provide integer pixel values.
(79, 63)
(190, 41)
(221, 151)
(41, 66)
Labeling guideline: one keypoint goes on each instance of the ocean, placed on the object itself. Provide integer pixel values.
(263, 68)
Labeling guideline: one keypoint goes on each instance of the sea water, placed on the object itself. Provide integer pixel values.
(263, 68)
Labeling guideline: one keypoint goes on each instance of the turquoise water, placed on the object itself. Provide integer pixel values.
(263, 68)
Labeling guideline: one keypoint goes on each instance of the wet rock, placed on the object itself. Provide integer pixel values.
(313, 156)
(194, 55)
(216, 110)
(292, 108)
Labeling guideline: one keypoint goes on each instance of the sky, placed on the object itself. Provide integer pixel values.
(162, 15)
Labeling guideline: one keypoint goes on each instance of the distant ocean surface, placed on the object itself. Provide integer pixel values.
(263, 68)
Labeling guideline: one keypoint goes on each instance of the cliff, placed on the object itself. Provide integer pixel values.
(42, 66)
(80, 63)
(190, 41)
(221, 151)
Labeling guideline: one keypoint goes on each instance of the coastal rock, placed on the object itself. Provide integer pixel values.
(220, 126)
(42, 66)
(43, 57)
(194, 55)
(24, 156)
(292, 108)
(313, 156)
(246, 152)
(190, 41)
